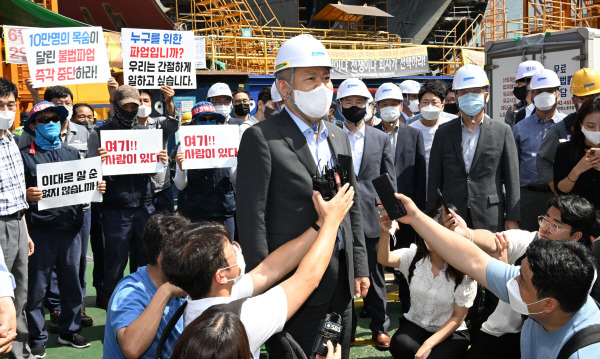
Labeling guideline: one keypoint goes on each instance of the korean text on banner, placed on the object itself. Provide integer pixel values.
(379, 63)
(14, 45)
(69, 183)
(132, 151)
(200, 52)
(209, 146)
(473, 57)
(66, 56)
(155, 58)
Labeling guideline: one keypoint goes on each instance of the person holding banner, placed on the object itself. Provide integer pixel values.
(205, 194)
(56, 232)
(15, 243)
(127, 204)
(161, 182)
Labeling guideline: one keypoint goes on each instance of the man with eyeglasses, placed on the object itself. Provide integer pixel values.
(567, 217)
(585, 85)
(241, 110)
(56, 232)
(15, 243)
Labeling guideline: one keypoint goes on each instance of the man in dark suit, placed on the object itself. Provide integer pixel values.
(372, 157)
(277, 159)
(472, 157)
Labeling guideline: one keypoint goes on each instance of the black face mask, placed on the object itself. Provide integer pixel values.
(241, 109)
(451, 108)
(520, 93)
(124, 119)
(354, 114)
(270, 112)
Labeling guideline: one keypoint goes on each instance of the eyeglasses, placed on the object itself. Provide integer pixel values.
(47, 119)
(476, 91)
(244, 101)
(433, 103)
(552, 227)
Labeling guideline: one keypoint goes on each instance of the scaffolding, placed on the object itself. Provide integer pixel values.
(494, 21)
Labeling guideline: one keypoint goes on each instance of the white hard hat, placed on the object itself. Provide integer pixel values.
(410, 87)
(353, 87)
(544, 79)
(470, 76)
(527, 69)
(302, 51)
(388, 90)
(219, 89)
(275, 95)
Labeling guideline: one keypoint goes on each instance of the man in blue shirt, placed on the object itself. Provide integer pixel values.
(144, 302)
(529, 134)
(551, 286)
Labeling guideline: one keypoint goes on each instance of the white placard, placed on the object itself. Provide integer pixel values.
(69, 183)
(14, 45)
(132, 151)
(155, 58)
(66, 56)
(200, 52)
(209, 146)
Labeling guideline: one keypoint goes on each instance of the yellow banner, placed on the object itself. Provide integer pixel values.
(473, 57)
(379, 63)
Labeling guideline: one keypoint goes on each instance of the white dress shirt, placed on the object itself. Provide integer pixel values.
(357, 143)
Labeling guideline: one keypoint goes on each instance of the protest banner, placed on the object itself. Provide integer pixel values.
(14, 46)
(132, 151)
(379, 63)
(66, 56)
(473, 57)
(200, 52)
(209, 146)
(155, 58)
(69, 183)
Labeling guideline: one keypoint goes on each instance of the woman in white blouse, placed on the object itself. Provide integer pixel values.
(440, 297)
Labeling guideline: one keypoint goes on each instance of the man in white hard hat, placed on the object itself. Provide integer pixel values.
(372, 119)
(277, 161)
(372, 156)
(529, 133)
(472, 157)
(525, 71)
(410, 90)
(219, 94)
(409, 164)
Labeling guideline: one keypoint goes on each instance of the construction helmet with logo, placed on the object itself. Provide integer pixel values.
(302, 51)
(585, 82)
(527, 69)
(544, 79)
(410, 87)
(219, 89)
(275, 95)
(470, 76)
(353, 87)
(388, 90)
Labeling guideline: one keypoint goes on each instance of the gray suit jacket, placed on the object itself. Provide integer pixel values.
(495, 164)
(377, 159)
(274, 190)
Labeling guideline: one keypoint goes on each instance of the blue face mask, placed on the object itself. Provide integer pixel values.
(471, 104)
(47, 136)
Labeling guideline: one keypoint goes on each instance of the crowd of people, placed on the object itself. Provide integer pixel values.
(512, 215)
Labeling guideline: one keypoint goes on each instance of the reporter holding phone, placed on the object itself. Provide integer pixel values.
(577, 163)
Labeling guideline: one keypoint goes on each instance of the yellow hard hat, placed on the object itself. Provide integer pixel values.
(186, 117)
(585, 82)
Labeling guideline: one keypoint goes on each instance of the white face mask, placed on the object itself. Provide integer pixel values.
(314, 103)
(70, 109)
(390, 113)
(544, 101)
(224, 110)
(7, 118)
(369, 113)
(514, 297)
(431, 112)
(144, 111)
(413, 106)
(592, 136)
(241, 263)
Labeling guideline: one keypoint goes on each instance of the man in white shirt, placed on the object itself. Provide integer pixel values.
(211, 269)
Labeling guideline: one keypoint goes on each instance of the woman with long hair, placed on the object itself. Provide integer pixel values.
(440, 298)
(577, 162)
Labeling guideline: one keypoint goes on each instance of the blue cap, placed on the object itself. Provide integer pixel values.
(44, 106)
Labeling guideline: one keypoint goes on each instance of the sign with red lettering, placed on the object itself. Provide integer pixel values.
(66, 56)
(209, 146)
(14, 45)
(132, 151)
(69, 183)
(155, 58)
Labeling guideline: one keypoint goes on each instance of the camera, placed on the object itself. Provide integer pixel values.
(330, 329)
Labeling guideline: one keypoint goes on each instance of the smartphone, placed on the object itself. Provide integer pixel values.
(439, 193)
(385, 190)
(594, 151)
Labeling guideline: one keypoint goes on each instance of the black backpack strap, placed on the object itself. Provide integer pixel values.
(169, 328)
(583, 338)
(412, 266)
